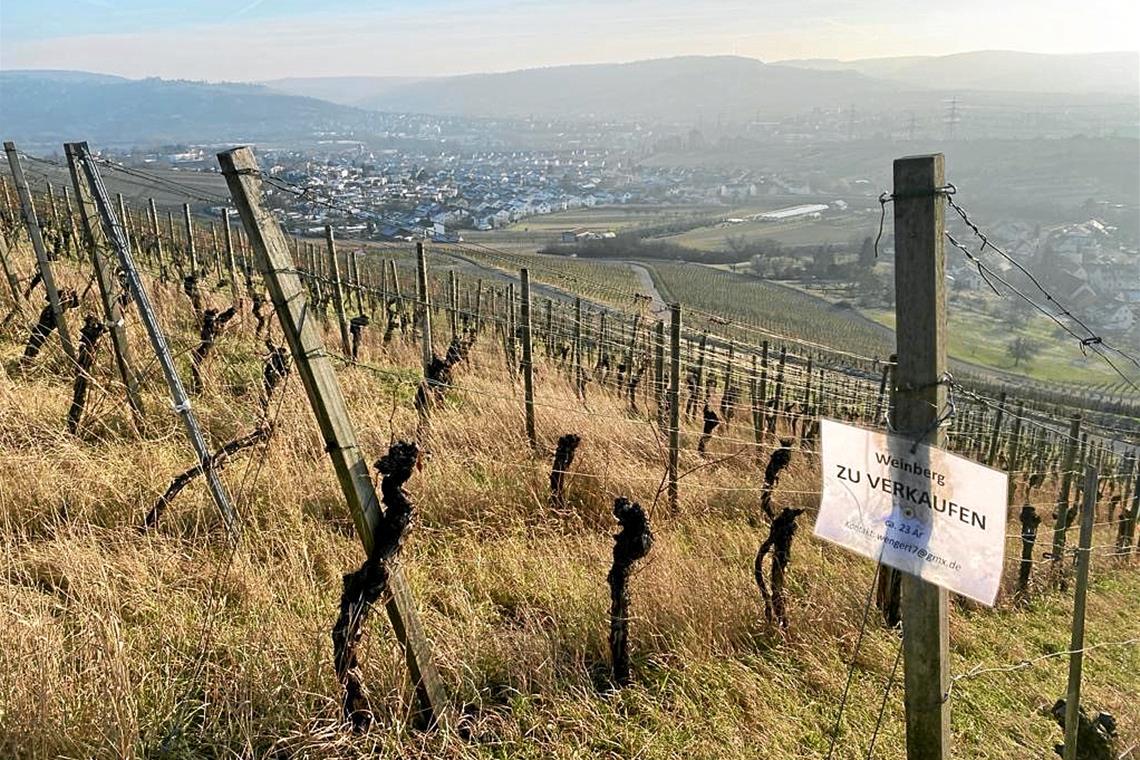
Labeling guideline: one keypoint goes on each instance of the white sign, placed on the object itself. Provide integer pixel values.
(917, 508)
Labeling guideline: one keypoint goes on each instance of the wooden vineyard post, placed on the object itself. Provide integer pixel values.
(699, 375)
(10, 275)
(397, 296)
(1077, 641)
(479, 307)
(453, 303)
(337, 290)
(528, 358)
(920, 310)
(549, 338)
(757, 400)
(357, 285)
(807, 390)
(316, 371)
(114, 232)
(882, 392)
(1062, 516)
(659, 380)
(177, 253)
(53, 214)
(762, 391)
(123, 218)
(579, 377)
(108, 284)
(32, 223)
(231, 266)
(674, 404)
(1126, 533)
(774, 420)
(191, 249)
(71, 220)
(424, 305)
(1013, 460)
(509, 333)
(995, 437)
(154, 230)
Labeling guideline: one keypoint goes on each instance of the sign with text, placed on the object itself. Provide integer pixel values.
(917, 508)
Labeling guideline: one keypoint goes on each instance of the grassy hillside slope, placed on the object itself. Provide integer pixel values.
(119, 644)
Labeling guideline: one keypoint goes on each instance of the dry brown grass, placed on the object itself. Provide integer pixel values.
(116, 644)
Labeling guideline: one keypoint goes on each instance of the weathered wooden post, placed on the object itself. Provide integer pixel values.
(337, 290)
(114, 232)
(699, 375)
(756, 401)
(231, 266)
(191, 248)
(920, 309)
(774, 420)
(424, 305)
(1126, 532)
(157, 233)
(509, 334)
(272, 257)
(549, 338)
(1077, 640)
(674, 405)
(108, 284)
(528, 359)
(882, 392)
(123, 216)
(1062, 518)
(453, 303)
(479, 307)
(659, 380)
(1014, 458)
(32, 223)
(357, 285)
(579, 373)
(995, 436)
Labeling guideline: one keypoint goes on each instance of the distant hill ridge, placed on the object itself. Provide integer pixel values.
(49, 105)
(54, 106)
(1001, 70)
(733, 87)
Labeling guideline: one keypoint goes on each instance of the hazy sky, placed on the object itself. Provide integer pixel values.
(264, 39)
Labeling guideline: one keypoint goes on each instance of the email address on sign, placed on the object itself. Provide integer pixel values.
(898, 545)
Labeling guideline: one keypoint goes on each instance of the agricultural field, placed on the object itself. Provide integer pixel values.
(844, 229)
(774, 309)
(166, 185)
(616, 218)
(980, 339)
(826, 317)
(609, 282)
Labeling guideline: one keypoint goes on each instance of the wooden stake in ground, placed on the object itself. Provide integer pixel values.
(109, 286)
(114, 232)
(1061, 525)
(271, 254)
(674, 405)
(424, 305)
(920, 309)
(528, 359)
(337, 292)
(45, 269)
(1077, 641)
